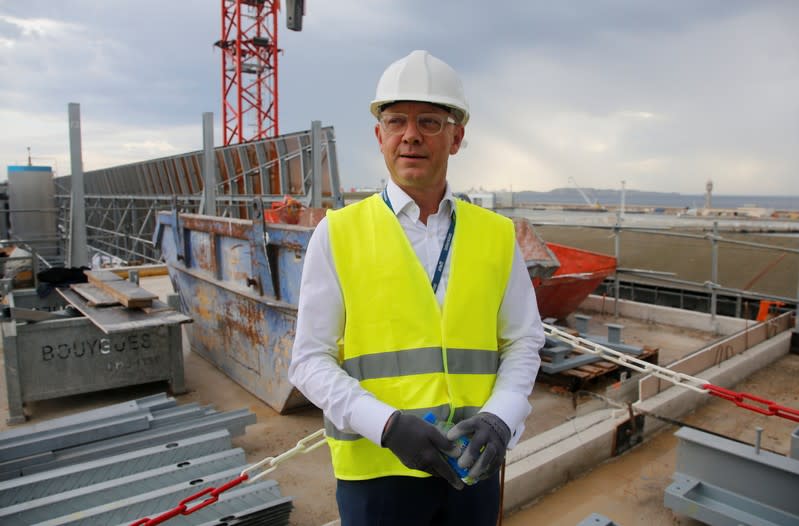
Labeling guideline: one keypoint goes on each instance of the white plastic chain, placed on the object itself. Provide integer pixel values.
(625, 360)
(273, 462)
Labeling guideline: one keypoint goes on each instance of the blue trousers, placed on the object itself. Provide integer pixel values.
(404, 501)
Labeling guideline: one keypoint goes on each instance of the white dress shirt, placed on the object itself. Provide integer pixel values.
(315, 370)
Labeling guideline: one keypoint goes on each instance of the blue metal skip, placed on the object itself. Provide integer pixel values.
(239, 279)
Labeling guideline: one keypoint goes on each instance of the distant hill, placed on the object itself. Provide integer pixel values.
(607, 197)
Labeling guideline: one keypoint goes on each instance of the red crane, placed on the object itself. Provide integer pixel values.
(250, 67)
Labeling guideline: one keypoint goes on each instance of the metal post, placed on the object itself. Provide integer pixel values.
(714, 272)
(614, 332)
(208, 204)
(581, 323)
(758, 435)
(617, 255)
(316, 164)
(795, 334)
(78, 254)
(35, 267)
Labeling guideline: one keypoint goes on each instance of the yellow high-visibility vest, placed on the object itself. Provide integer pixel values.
(398, 343)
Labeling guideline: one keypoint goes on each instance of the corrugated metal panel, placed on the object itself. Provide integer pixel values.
(139, 473)
(58, 480)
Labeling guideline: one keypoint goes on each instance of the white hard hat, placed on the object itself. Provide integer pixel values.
(421, 77)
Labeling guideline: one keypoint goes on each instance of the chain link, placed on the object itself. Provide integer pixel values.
(273, 462)
(213, 493)
(766, 407)
(689, 382)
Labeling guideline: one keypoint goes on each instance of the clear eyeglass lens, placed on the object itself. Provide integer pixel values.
(426, 123)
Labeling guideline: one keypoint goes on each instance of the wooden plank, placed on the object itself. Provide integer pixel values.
(143, 270)
(112, 320)
(101, 275)
(93, 295)
(128, 294)
(577, 376)
(575, 372)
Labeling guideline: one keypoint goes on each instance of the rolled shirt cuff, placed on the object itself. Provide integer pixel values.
(369, 416)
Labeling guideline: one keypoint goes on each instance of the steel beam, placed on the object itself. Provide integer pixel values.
(715, 473)
(78, 254)
(233, 421)
(62, 438)
(146, 504)
(208, 206)
(39, 485)
(76, 500)
(716, 506)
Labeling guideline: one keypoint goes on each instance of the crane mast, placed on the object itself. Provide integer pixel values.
(249, 70)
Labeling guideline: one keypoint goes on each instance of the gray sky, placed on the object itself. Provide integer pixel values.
(663, 95)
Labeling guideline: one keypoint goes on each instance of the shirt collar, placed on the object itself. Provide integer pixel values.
(400, 200)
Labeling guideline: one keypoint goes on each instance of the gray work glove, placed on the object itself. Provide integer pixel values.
(420, 445)
(488, 439)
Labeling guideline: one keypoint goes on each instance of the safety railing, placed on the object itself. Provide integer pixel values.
(707, 268)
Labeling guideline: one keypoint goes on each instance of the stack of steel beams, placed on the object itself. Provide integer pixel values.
(120, 463)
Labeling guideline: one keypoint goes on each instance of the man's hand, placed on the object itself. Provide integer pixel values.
(420, 445)
(488, 439)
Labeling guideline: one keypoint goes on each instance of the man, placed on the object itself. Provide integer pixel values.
(413, 302)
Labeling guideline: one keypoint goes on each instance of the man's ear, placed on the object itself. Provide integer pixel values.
(457, 139)
(379, 135)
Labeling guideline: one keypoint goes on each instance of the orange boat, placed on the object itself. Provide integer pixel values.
(562, 276)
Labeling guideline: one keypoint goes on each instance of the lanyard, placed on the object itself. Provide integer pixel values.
(442, 257)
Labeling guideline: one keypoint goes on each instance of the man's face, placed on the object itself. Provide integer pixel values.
(414, 159)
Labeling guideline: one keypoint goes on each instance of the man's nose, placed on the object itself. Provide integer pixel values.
(411, 133)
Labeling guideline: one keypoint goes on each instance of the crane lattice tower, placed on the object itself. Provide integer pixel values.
(249, 70)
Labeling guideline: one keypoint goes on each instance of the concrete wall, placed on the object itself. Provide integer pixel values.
(665, 315)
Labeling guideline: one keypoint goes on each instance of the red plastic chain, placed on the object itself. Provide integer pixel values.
(767, 407)
(183, 509)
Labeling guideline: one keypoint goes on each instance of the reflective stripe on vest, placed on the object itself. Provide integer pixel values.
(398, 343)
(421, 361)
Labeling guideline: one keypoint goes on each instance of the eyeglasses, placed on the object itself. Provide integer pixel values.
(426, 123)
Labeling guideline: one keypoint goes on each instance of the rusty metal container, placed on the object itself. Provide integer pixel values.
(239, 279)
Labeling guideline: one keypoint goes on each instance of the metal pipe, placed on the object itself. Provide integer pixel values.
(795, 336)
(714, 272)
(617, 255)
(749, 294)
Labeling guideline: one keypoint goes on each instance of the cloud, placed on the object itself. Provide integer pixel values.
(663, 95)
